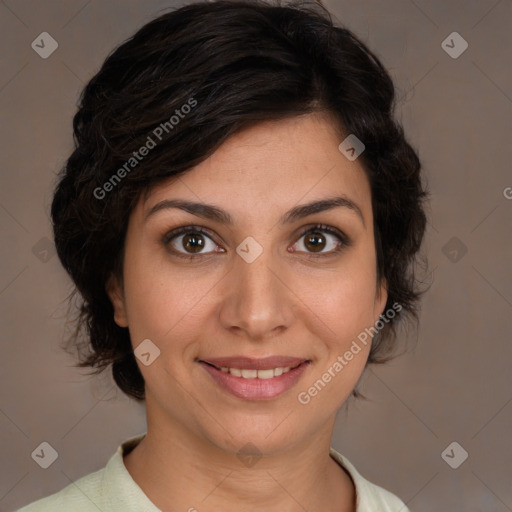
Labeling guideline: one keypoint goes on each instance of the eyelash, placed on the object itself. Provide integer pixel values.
(345, 241)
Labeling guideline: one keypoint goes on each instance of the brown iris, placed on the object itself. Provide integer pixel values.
(314, 242)
(193, 242)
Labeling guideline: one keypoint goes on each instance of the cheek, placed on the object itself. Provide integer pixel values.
(158, 304)
(341, 304)
(165, 301)
(339, 314)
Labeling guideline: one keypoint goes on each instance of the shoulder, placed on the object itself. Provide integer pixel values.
(83, 495)
(369, 496)
(110, 488)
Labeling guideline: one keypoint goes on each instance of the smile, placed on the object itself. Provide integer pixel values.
(255, 379)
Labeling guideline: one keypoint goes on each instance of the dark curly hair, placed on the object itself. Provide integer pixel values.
(233, 63)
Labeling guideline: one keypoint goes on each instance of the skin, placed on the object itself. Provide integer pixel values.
(289, 301)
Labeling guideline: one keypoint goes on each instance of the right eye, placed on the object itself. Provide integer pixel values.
(190, 241)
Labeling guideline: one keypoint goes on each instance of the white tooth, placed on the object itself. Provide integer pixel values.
(256, 374)
(265, 374)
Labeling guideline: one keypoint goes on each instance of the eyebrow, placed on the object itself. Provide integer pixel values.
(211, 212)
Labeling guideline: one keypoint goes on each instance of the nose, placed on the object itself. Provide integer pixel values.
(258, 303)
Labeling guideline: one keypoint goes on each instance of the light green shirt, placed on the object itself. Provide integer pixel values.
(112, 489)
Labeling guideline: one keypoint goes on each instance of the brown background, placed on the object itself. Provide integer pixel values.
(456, 385)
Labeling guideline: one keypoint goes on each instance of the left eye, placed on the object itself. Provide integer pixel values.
(318, 240)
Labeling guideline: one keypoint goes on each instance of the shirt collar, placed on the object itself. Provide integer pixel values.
(124, 494)
(121, 492)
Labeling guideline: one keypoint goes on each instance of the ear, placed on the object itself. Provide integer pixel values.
(115, 293)
(380, 299)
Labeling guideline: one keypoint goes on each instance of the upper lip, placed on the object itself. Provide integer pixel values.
(249, 363)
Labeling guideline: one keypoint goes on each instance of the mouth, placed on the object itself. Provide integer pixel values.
(255, 379)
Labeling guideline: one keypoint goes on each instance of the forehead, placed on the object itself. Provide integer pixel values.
(270, 166)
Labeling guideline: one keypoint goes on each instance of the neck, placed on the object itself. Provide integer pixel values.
(180, 470)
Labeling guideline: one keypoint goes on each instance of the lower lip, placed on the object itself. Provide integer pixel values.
(256, 389)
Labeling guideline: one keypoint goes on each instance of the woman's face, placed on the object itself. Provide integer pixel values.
(266, 284)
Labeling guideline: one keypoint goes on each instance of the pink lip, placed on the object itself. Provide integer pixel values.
(249, 363)
(257, 389)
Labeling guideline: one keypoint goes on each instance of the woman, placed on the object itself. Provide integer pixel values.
(241, 216)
